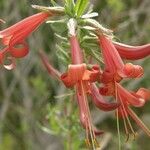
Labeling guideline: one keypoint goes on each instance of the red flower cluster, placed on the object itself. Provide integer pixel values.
(115, 71)
(83, 81)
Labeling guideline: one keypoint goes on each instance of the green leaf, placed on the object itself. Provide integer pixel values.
(92, 50)
(80, 7)
(48, 130)
(69, 7)
(90, 15)
(54, 3)
(58, 26)
(62, 54)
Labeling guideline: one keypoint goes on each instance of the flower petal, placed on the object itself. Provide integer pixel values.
(11, 64)
(28, 22)
(2, 54)
(65, 78)
(75, 73)
(132, 52)
(51, 70)
(95, 73)
(76, 53)
(127, 97)
(99, 101)
(133, 71)
(20, 51)
(112, 58)
(144, 93)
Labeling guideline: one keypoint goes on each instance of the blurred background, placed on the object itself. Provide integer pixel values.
(37, 112)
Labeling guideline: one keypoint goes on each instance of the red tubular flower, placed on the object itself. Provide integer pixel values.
(81, 78)
(114, 72)
(127, 99)
(84, 109)
(13, 38)
(132, 52)
(114, 66)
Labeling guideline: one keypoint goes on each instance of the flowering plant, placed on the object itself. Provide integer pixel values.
(91, 76)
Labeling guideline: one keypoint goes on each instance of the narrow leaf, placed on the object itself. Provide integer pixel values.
(91, 15)
(54, 3)
(69, 7)
(80, 7)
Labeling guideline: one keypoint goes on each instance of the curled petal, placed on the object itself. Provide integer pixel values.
(2, 54)
(99, 101)
(133, 71)
(67, 81)
(95, 73)
(75, 73)
(11, 65)
(144, 93)
(127, 97)
(19, 50)
(51, 70)
(132, 52)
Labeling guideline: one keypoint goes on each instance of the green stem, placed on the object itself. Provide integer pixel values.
(70, 124)
(118, 130)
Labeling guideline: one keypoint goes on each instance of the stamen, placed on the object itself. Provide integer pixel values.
(96, 143)
(89, 127)
(125, 126)
(127, 137)
(138, 121)
(88, 143)
(118, 126)
(132, 130)
(126, 119)
(135, 135)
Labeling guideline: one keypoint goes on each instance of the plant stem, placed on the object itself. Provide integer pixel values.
(118, 130)
(69, 114)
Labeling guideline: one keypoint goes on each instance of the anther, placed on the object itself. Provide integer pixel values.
(88, 143)
(127, 137)
(135, 135)
(96, 143)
